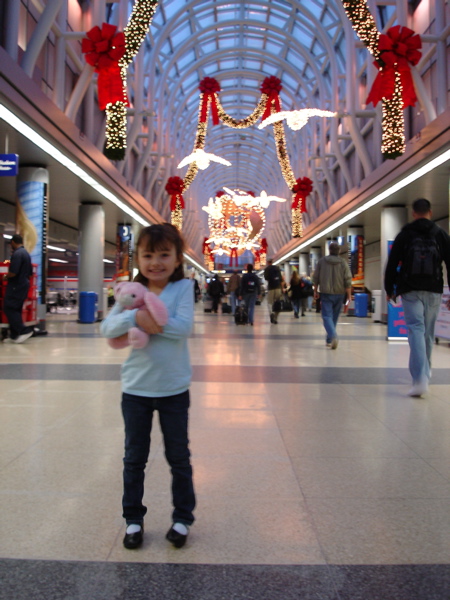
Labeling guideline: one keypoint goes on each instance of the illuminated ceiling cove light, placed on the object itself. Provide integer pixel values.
(55, 248)
(423, 170)
(58, 260)
(64, 160)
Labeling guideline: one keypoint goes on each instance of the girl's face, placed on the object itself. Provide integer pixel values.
(158, 265)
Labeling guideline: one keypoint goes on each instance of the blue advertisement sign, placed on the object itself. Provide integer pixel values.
(9, 165)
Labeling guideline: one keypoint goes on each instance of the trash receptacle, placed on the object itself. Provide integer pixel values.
(87, 307)
(361, 305)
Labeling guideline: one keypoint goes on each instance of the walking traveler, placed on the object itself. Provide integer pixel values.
(272, 275)
(249, 290)
(233, 288)
(414, 272)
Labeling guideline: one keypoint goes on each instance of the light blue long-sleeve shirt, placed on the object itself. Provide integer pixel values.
(163, 367)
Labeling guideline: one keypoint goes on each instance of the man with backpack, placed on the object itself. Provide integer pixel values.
(272, 275)
(414, 272)
(249, 290)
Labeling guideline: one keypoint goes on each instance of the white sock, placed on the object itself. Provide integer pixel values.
(180, 528)
(133, 528)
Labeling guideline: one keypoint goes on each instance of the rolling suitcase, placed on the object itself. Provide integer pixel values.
(240, 316)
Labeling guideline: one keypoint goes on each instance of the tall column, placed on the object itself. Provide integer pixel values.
(315, 254)
(303, 263)
(392, 220)
(91, 243)
(32, 224)
(287, 272)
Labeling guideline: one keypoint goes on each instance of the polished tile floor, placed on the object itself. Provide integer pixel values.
(317, 477)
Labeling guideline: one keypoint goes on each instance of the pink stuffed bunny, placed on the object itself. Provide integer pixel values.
(130, 294)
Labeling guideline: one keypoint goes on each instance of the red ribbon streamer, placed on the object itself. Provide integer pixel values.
(233, 255)
(103, 48)
(301, 189)
(399, 49)
(209, 87)
(272, 87)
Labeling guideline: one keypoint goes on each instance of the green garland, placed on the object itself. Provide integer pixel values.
(116, 121)
(392, 123)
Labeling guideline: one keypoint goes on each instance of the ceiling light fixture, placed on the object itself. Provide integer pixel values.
(423, 170)
(28, 132)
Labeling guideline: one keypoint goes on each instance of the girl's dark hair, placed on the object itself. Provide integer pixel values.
(162, 237)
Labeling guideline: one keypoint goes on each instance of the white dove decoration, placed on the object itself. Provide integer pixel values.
(202, 159)
(296, 119)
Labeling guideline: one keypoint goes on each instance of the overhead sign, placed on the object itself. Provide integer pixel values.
(9, 164)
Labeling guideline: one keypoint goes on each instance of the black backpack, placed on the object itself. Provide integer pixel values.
(249, 284)
(422, 258)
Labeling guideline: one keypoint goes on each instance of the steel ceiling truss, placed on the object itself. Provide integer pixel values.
(310, 46)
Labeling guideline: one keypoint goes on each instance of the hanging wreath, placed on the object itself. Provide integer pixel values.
(108, 46)
(392, 52)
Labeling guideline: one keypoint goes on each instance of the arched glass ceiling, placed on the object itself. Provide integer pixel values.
(305, 44)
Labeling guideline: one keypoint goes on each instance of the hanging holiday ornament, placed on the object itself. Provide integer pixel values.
(301, 189)
(175, 187)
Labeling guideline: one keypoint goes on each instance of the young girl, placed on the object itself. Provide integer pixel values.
(157, 378)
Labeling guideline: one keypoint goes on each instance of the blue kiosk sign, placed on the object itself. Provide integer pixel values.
(9, 165)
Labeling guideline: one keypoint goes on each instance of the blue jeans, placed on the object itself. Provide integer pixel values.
(173, 418)
(250, 301)
(296, 305)
(331, 306)
(421, 310)
(233, 302)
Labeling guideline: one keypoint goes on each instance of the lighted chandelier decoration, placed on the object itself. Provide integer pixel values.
(394, 52)
(236, 221)
(268, 106)
(110, 52)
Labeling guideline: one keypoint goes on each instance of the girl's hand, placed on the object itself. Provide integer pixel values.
(147, 323)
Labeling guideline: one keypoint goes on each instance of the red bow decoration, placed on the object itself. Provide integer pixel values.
(220, 194)
(301, 189)
(206, 249)
(103, 49)
(272, 87)
(233, 256)
(175, 187)
(209, 87)
(264, 245)
(398, 49)
(252, 194)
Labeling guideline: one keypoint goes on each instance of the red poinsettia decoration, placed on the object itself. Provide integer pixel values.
(175, 187)
(399, 49)
(272, 87)
(301, 189)
(103, 48)
(209, 87)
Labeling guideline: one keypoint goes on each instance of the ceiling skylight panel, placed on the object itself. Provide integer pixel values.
(227, 41)
(186, 59)
(254, 41)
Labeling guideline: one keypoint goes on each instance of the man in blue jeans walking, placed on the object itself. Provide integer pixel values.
(333, 279)
(414, 272)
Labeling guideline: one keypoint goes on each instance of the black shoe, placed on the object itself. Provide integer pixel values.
(272, 318)
(296, 316)
(175, 538)
(131, 541)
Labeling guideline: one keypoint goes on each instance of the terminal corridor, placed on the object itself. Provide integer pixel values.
(316, 476)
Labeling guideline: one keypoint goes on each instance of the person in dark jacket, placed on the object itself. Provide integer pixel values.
(18, 277)
(272, 275)
(414, 272)
(216, 290)
(249, 291)
(295, 293)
